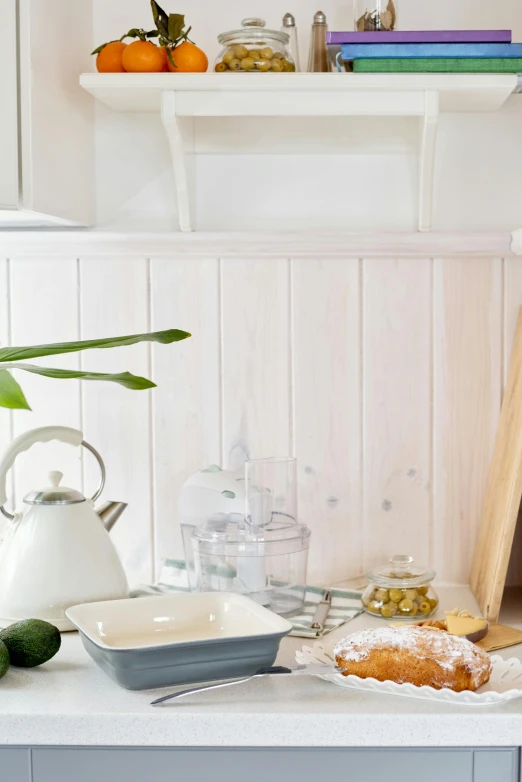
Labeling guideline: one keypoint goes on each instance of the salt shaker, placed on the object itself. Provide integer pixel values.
(318, 57)
(291, 30)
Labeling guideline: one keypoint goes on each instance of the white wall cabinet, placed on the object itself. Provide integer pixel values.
(46, 133)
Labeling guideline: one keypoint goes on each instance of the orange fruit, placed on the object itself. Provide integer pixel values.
(143, 57)
(188, 58)
(109, 59)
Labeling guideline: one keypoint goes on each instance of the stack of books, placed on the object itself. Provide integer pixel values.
(445, 51)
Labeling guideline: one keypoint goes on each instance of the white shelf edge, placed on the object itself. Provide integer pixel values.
(87, 244)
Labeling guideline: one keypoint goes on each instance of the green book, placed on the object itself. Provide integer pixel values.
(446, 65)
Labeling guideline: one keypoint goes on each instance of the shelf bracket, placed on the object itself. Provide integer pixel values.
(429, 128)
(180, 133)
(516, 242)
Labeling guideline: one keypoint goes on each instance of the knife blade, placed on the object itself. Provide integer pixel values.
(322, 610)
(315, 669)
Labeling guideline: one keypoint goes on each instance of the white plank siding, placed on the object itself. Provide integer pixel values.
(382, 372)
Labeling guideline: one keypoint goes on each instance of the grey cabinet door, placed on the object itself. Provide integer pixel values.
(492, 764)
(15, 765)
(254, 765)
(273, 765)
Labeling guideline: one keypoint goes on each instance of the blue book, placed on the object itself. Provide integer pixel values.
(363, 51)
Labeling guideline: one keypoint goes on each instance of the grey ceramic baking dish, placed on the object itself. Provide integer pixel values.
(161, 641)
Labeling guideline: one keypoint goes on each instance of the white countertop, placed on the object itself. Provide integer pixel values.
(69, 701)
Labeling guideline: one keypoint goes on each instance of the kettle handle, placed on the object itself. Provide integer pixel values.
(44, 434)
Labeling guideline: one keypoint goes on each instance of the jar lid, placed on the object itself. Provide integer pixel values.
(400, 572)
(254, 29)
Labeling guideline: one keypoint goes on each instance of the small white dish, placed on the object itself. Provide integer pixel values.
(504, 685)
(160, 641)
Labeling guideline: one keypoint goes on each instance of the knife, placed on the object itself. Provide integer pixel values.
(316, 669)
(321, 611)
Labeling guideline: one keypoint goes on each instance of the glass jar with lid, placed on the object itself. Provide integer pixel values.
(375, 16)
(400, 590)
(253, 48)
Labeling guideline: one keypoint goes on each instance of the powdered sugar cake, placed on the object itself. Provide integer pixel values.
(416, 655)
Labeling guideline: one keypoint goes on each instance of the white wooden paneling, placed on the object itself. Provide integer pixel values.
(512, 304)
(285, 356)
(467, 395)
(396, 298)
(186, 405)
(327, 412)
(114, 302)
(255, 359)
(44, 308)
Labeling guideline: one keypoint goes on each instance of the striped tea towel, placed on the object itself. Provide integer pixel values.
(346, 604)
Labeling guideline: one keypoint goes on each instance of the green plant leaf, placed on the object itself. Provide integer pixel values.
(176, 25)
(126, 379)
(161, 19)
(11, 395)
(36, 351)
(152, 34)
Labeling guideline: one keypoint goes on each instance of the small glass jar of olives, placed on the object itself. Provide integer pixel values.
(254, 49)
(400, 590)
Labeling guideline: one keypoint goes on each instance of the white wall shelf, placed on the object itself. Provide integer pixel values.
(180, 98)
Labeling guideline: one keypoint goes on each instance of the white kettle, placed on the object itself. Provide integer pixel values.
(57, 552)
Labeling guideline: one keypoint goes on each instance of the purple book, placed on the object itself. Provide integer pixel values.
(425, 36)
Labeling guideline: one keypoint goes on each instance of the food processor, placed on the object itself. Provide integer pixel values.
(242, 534)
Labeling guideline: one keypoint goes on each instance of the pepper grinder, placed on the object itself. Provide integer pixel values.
(291, 30)
(318, 57)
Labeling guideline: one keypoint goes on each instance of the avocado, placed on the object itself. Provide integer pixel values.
(4, 659)
(31, 642)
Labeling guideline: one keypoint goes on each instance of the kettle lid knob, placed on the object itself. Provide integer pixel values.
(54, 494)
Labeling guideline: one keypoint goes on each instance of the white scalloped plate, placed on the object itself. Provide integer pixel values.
(502, 687)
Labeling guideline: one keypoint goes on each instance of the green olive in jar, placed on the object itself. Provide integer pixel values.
(374, 607)
(406, 606)
(423, 590)
(220, 67)
(411, 594)
(248, 64)
(277, 66)
(288, 67)
(267, 53)
(240, 52)
(388, 610)
(396, 595)
(433, 603)
(254, 54)
(263, 65)
(234, 64)
(381, 595)
(229, 55)
(425, 608)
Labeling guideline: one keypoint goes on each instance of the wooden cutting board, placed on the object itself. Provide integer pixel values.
(500, 637)
(503, 494)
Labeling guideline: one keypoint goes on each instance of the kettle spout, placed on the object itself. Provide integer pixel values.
(110, 512)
